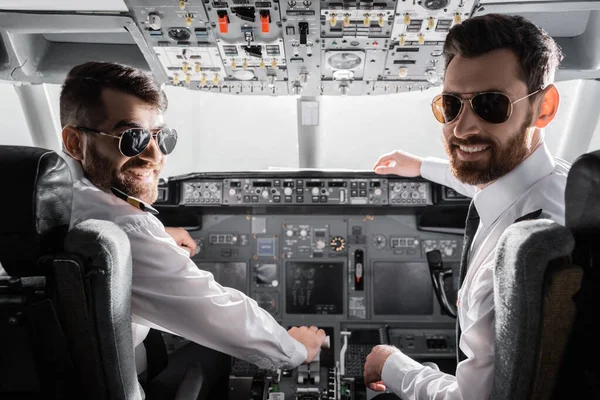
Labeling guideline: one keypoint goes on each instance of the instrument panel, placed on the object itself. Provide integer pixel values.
(351, 258)
(306, 191)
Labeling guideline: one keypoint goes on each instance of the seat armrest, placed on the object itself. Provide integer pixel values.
(191, 384)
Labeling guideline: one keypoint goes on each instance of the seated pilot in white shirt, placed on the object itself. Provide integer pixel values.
(113, 129)
(498, 157)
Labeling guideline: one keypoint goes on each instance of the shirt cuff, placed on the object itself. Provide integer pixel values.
(396, 367)
(296, 350)
(434, 169)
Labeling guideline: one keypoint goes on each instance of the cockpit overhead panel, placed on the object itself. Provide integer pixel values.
(300, 47)
(273, 47)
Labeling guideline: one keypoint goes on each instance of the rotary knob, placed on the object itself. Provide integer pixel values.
(288, 191)
(315, 191)
(232, 192)
(448, 251)
(265, 194)
(377, 192)
(289, 233)
(320, 245)
(379, 242)
(337, 243)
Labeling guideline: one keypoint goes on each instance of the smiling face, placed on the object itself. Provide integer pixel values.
(101, 159)
(481, 152)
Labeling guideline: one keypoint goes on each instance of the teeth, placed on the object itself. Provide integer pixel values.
(143, 174)
(473, 149)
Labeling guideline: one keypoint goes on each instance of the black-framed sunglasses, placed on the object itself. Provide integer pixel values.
(492, 107)
(134, 141)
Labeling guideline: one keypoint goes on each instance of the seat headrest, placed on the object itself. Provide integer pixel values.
(582, 205)
(37, 194)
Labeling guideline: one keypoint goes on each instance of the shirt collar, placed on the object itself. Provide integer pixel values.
(494, 199)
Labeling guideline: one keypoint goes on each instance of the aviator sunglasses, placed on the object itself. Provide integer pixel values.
(134, 141)
(492, 107)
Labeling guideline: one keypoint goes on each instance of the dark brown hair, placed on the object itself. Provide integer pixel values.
(81, 95)
(538, 53)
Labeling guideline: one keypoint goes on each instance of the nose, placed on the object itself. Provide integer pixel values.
(152, 153)
(466, 123)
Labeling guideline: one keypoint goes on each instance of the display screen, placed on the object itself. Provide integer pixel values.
(262, 184)
(229, 274)
(314, 287)
(402, 288)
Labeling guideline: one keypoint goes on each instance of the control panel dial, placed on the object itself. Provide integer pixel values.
(379, 242)
(337, 243)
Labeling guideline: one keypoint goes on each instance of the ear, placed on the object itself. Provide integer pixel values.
(548, 106)
(73, 142)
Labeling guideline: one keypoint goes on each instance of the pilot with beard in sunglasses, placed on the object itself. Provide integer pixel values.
(496, 100)
(113, 131)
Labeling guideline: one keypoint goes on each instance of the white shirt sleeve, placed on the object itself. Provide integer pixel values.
(170, 291)
(438, 170)
(474, 376)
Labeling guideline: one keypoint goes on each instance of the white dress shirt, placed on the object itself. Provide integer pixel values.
(170, 293)
(538, 182)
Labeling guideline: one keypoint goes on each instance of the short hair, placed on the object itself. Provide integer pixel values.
(538, 54)
(81, 95)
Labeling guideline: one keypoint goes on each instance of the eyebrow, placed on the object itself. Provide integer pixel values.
(127, 123)
(480, 91)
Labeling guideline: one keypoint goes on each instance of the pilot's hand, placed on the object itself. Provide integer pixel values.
(312, 338)
(183, 239)
(398, 163)
(374, 366)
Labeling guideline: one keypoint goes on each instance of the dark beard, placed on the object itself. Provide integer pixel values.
(104, 175)
(501, 160)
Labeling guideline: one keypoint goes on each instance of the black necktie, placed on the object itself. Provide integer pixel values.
(471, 227)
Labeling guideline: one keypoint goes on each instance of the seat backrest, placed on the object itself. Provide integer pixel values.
(96, 271)
(534, 284)
(36, 210)
(65, 320)
(580, 372)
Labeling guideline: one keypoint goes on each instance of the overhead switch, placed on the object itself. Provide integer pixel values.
(223, 21)
(265, 20)
(303, 27)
